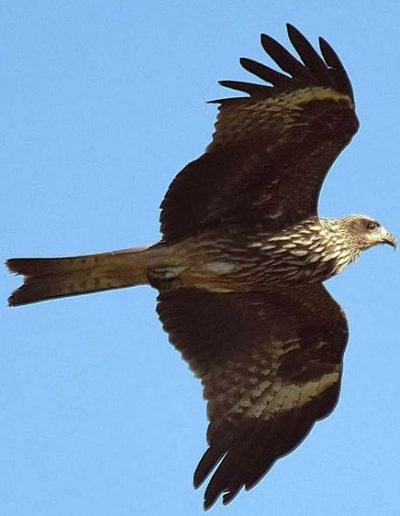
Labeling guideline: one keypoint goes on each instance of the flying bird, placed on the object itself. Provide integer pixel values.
(242, 260)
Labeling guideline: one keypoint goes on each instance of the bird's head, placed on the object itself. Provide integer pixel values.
(368, 232)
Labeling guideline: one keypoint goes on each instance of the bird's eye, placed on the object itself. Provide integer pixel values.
(372, 226)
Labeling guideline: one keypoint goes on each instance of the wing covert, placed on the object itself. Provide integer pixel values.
(270, 365)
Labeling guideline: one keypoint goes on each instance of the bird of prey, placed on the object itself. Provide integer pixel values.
(242, 261)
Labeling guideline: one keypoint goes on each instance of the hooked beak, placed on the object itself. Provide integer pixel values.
(389, 239)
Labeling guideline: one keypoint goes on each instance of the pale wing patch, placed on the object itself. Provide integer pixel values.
(267, 399)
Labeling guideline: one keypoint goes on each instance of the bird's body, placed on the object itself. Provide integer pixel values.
(242, 260)
(253, 259)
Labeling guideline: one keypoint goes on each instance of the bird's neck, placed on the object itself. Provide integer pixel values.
(339, 244)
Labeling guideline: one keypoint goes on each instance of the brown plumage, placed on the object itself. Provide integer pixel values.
(241, 263)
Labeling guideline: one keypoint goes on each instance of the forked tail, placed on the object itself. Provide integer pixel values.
(46, 278)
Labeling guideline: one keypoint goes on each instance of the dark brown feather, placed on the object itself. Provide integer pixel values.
(257, 354)
(265, 73)
(283, 58)
(311, 59)
(265, 146)
(48, 278)
(340, 78)
(254, 90)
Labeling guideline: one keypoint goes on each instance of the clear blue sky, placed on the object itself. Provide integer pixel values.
(103, 102)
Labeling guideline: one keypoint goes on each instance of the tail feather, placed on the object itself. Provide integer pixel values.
(47, 278)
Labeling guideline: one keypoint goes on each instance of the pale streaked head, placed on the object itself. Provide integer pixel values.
(367, 232)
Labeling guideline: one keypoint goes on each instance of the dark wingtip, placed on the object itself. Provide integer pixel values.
(209, 500)
(11, 266)
(19, 297)
(293, 32)
(205, 465)
(333, 61)
(290, 27)
(254, 90)
(309, 69)
(207, 505)
(230, 495)
(197, 481)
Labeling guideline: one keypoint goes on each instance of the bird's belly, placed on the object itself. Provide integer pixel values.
(230, 274)
(227, 263)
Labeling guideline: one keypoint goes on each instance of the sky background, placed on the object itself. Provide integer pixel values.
(103, 102)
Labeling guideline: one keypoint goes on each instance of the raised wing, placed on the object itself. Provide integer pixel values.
(270, 364)
(271, 150)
